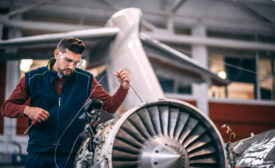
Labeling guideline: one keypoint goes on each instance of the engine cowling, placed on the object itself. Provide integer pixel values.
(162, 134)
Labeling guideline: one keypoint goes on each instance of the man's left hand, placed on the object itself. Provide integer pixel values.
(123, 78)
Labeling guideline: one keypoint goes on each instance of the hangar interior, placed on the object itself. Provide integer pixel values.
(234, 39)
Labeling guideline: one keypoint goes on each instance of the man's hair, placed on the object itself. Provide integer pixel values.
(73, 44)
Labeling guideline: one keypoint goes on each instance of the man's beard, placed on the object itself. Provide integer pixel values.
(69, 71)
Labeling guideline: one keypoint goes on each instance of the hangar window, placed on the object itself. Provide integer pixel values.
(237, 66)
(267, 76)
(174, 84)
(166, 84)
(251, 74)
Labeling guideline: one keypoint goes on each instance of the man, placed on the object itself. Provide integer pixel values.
(57, 92)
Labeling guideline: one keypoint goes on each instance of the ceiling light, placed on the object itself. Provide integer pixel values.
(222, 74)
(25, 64)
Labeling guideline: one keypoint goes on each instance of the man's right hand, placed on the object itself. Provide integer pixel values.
(36, 114)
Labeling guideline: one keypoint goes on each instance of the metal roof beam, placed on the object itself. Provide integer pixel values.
(154, 17)
(255, 11)
(90, 34)
(209, 41)
(175, 6)
(28, 8)
(35, 25)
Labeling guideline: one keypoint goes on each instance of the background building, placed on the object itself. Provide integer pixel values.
(234, 39)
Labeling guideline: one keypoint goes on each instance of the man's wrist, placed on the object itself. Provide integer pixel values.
(125, 87)
(25, 112)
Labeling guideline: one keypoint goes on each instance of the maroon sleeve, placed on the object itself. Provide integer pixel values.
(14, 106)
(110, 103)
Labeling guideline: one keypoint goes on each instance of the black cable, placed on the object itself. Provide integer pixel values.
(237, 67)
(74, 145)
(136, 93)
(65, 130)
(92, 130)
(71, 151)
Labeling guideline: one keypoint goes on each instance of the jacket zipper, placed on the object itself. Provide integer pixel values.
(59, 101)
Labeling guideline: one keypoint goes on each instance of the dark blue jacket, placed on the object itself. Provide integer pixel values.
(76, 89)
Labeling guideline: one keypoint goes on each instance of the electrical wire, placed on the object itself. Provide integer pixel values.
(74, 145)
(65, 130)
(237, 67)
(93, 132)
(136, 93)
(72, 150)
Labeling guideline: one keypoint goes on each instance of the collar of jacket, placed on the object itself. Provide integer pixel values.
(53, 74)
(51, 62)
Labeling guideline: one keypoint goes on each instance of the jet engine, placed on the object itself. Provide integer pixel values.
(163, 134)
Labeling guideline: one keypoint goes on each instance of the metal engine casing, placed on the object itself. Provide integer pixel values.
(163, 134)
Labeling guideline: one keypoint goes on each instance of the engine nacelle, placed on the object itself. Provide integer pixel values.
(163, 134)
